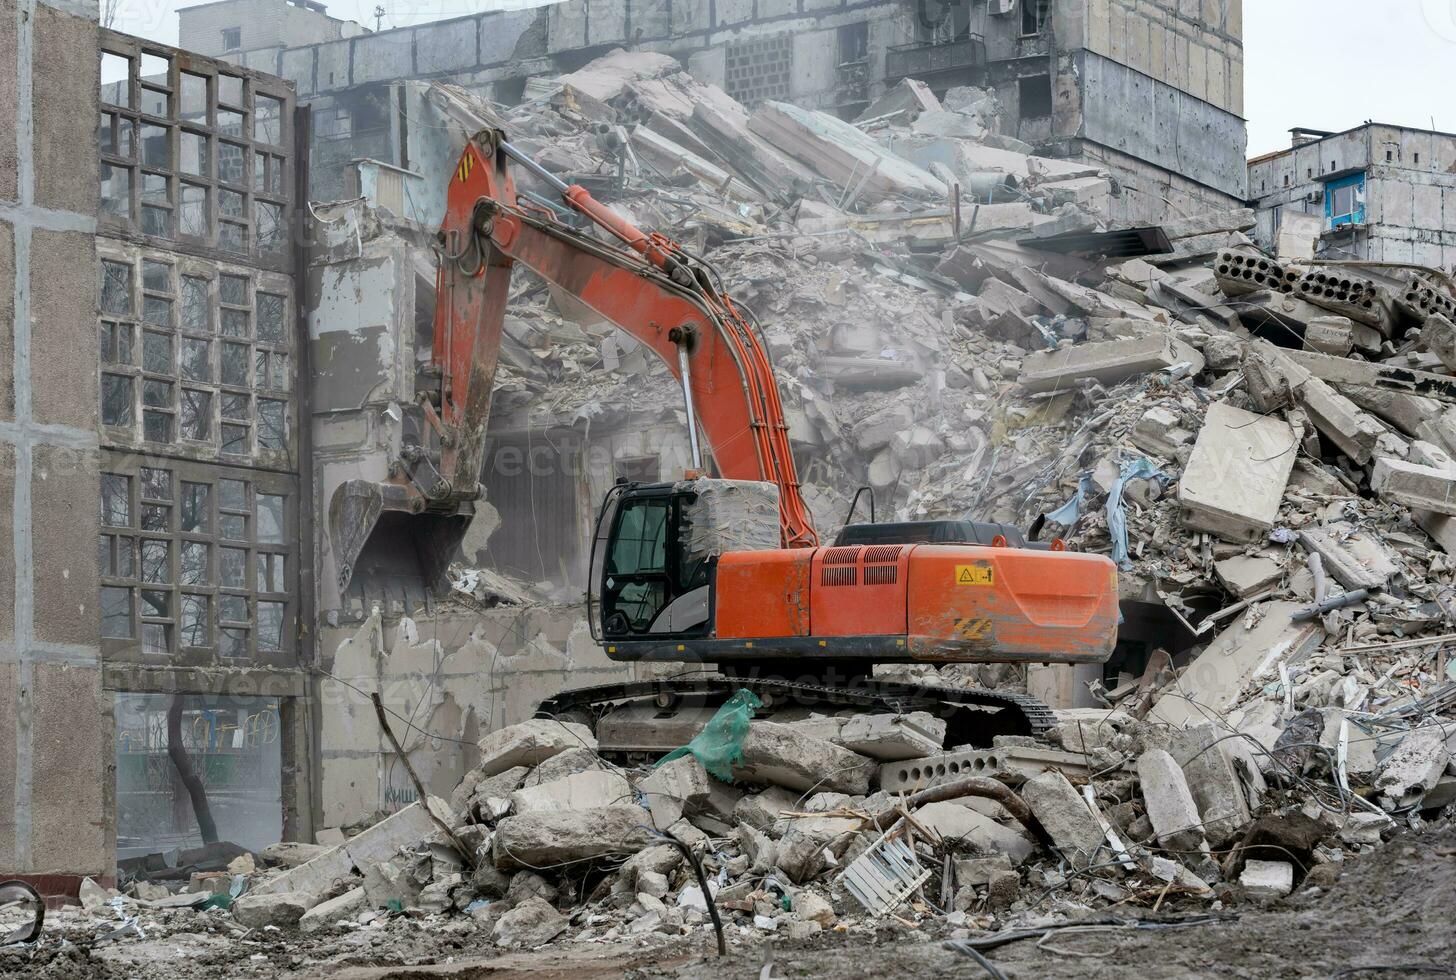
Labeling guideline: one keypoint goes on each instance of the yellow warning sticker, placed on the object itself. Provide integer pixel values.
(974, 575)
(467, 164)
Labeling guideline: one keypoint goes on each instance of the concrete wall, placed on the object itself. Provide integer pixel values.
(1410, 192)
(1196, 46)
(56, 821)
(455, 676)
(1138, 115)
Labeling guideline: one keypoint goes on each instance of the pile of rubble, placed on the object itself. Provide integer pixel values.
(840, 823)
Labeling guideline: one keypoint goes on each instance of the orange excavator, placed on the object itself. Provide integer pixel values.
(723, 569)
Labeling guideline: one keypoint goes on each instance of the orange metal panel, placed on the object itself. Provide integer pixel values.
(973, 603)
(860, 591)
(762, 594)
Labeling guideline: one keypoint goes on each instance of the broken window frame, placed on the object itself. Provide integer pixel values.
(269, 566)
(149, 155)
(157, 307)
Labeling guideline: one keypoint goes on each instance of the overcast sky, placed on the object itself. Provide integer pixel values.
(1321, 64)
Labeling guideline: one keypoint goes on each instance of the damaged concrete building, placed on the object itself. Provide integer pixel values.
(1125, 86)
(1374, 193)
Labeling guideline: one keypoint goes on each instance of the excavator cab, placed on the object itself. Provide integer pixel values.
(653, 549)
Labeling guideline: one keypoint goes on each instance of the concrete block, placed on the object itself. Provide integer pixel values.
(1330, 335)
(1341, 420)
(579, 791)
(1216, 677)
(1266, 880)
(1421, 487)
(1235, 479)
(893, 737)
(538, 840)
(876, 430)
(1064, 814)
(530, 743)
(1107, 362)
(1169, 802)
(325, 914)
(778, 755)
(1355, 557)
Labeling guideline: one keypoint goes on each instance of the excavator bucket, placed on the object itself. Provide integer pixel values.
(384, 542)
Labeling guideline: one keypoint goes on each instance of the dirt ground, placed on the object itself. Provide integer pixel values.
(1389, 914)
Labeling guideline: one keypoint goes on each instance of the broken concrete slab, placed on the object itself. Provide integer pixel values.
(530, 924)
(578, 791)
(761, 810)
(1438, 335)
(579, 759)
(1158, 433)
(902, 102)
(1212, 683)
(1063, 813)
(964, 828)
(1170, 806)
(1107, 362)
(1234, 481)
(1416, 764)
(839, 152)
(530, 743)
(778, 755)
(675, 787)
(1343, 371)
(1340, 420)
(1420, 487)
(1354, 556)
(775, 174)
(257, 910)
(325, 914)
(1217, 770)
(378, 843)
(1012, 764)
(550, 837)
(891, 738)
(1246, 575)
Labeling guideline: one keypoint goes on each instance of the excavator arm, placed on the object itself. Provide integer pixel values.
(645, 284)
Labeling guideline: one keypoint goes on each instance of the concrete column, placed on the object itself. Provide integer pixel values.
(57, 813)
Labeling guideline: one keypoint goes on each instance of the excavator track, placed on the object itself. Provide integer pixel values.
(974, 716)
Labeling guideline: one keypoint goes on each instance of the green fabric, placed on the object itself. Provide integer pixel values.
(719, 746)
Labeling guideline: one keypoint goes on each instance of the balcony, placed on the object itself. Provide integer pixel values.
(925, 59)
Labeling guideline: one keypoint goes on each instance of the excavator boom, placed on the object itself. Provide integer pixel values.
(651, 289)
